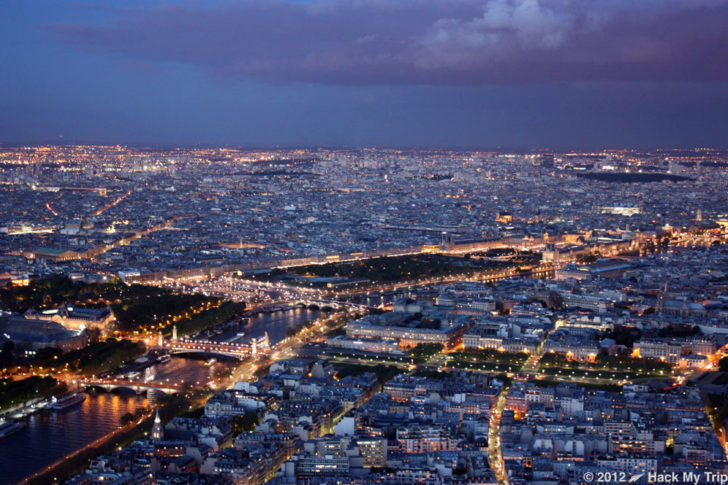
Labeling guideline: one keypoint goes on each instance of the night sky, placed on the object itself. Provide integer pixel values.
(508, 74)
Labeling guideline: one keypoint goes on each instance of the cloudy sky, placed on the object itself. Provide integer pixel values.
(510, 74)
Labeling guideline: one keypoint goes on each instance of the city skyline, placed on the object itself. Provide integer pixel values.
(308, 316)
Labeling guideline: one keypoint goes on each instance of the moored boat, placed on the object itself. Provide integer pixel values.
(66, 401)
(10, 427)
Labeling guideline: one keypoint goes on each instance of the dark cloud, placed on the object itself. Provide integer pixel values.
(438, 42)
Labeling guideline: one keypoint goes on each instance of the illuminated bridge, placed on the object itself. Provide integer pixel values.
(304, 303)
(239, 351)
(319, 303)
(334, 305)
(137, 386)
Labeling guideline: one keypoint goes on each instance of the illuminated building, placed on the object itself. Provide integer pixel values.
(157, 429)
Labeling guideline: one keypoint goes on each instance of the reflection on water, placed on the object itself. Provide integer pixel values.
(52, 435)
(188, 371)
(274, 323)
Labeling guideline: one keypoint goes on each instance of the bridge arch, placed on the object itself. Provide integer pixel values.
(221, 353)
(138, 388)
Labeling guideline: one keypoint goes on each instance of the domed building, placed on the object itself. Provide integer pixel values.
(30, 334)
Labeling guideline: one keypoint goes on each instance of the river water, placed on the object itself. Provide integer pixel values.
(52, 435)
(274, 323)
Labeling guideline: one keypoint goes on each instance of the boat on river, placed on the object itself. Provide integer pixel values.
(66, 401)
(10, 427)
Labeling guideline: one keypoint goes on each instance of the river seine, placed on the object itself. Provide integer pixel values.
(52, 435)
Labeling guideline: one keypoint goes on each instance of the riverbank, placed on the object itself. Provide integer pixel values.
(50, 436)
(76, 462)
(18, 398)
(23, 410)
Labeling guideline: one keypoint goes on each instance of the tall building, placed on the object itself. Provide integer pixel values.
(157, 429)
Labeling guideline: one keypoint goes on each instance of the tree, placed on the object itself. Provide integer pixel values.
(46, 354)
(624, 335)
(93, 334)
(425, 351)
(126, 419)
(246, 422)
(678, 331)
(555, 301)
(723, 364)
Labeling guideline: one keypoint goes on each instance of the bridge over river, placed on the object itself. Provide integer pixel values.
(137, 386)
